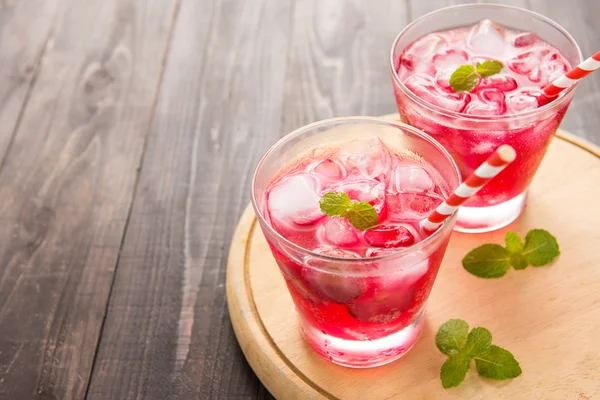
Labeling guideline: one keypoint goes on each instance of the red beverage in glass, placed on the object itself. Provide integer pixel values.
(502, 109)
(360, 294)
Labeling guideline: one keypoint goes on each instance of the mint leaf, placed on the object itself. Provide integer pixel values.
(464, 79)
(487, 261)
(513, 242)
(497, 363)
(454, 370)
(362, 215)
(335, 204)
(489, 68)
(540, 247)
(478, 341)
(518, 261)
(451, 335)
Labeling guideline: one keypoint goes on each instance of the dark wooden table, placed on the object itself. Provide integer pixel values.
(129, 130)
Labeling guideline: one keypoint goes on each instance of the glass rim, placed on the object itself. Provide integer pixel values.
(298, 132)
(435, 108)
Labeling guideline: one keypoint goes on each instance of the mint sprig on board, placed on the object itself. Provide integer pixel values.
(491, 361)
(493, 260)
(360, 214)
(466, 77)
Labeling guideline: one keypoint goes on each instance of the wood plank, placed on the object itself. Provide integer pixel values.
(25, 27)
(167, 332)
(66, 188)
(339, 59)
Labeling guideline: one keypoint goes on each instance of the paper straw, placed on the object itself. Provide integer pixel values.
(573, 76)
(491, 167)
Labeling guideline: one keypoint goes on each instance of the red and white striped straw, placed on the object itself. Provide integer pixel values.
(573, 76)
(491, 167)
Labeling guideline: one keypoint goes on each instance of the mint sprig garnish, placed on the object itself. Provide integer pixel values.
(360, 214)
(466, 77)
(493, 260)
(492, 361)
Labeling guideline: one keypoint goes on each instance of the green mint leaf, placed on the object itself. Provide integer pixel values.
(540, 247)
(454, 370)
(362, 215)
(518, 261)
(489, 68)
(335, 204)
(487, 261)
(497, 363)
(513, 242)
(464, 79)
(478, 341)
(451, 335)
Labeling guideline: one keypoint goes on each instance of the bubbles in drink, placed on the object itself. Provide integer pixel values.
(295, 199)
(487, 38)
(369, 156)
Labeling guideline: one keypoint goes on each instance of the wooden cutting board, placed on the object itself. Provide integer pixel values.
(548, 317)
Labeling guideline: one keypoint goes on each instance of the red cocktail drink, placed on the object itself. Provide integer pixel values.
(505, 108)
(360, 294)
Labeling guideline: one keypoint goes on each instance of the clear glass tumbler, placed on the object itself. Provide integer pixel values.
(471, 139)
(385, 320)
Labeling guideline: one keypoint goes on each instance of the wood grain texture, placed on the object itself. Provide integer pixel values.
(545, 316)
(25, 28)
(66, 187)
(167, 332)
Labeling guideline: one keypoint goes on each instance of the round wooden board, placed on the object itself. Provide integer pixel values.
(548, 317)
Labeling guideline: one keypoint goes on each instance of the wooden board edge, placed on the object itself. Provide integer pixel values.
(262, 355)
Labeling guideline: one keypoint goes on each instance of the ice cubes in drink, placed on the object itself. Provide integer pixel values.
(450, 59)
(525, 100)
(488, 102)
(524, 39)
(389, 236)
(420, 52)
(338, 232)
(328, 169)
(369, 156)
(411, 206)
(295, 199)
(425, 88)
(361, 189)
(503, 83)
(487, 37)
(334, 282)
(410, 178)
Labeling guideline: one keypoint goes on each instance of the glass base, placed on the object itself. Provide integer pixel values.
(485, 219)
(364, 353)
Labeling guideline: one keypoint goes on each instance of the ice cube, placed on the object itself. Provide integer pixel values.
(338, 232)
(450, 59)
(552, 67)
(328, 169)
(411, 206)
(522, 101)
(360, 189)
(487, 37)
(389, 236)
(369, 156)
(424, 87)
(442, 79)
(410, 178)
(392, 293)
(295, 199)
(524, 39)
(420, 51)
(489, 102)
(331, 281)
(501, 82)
